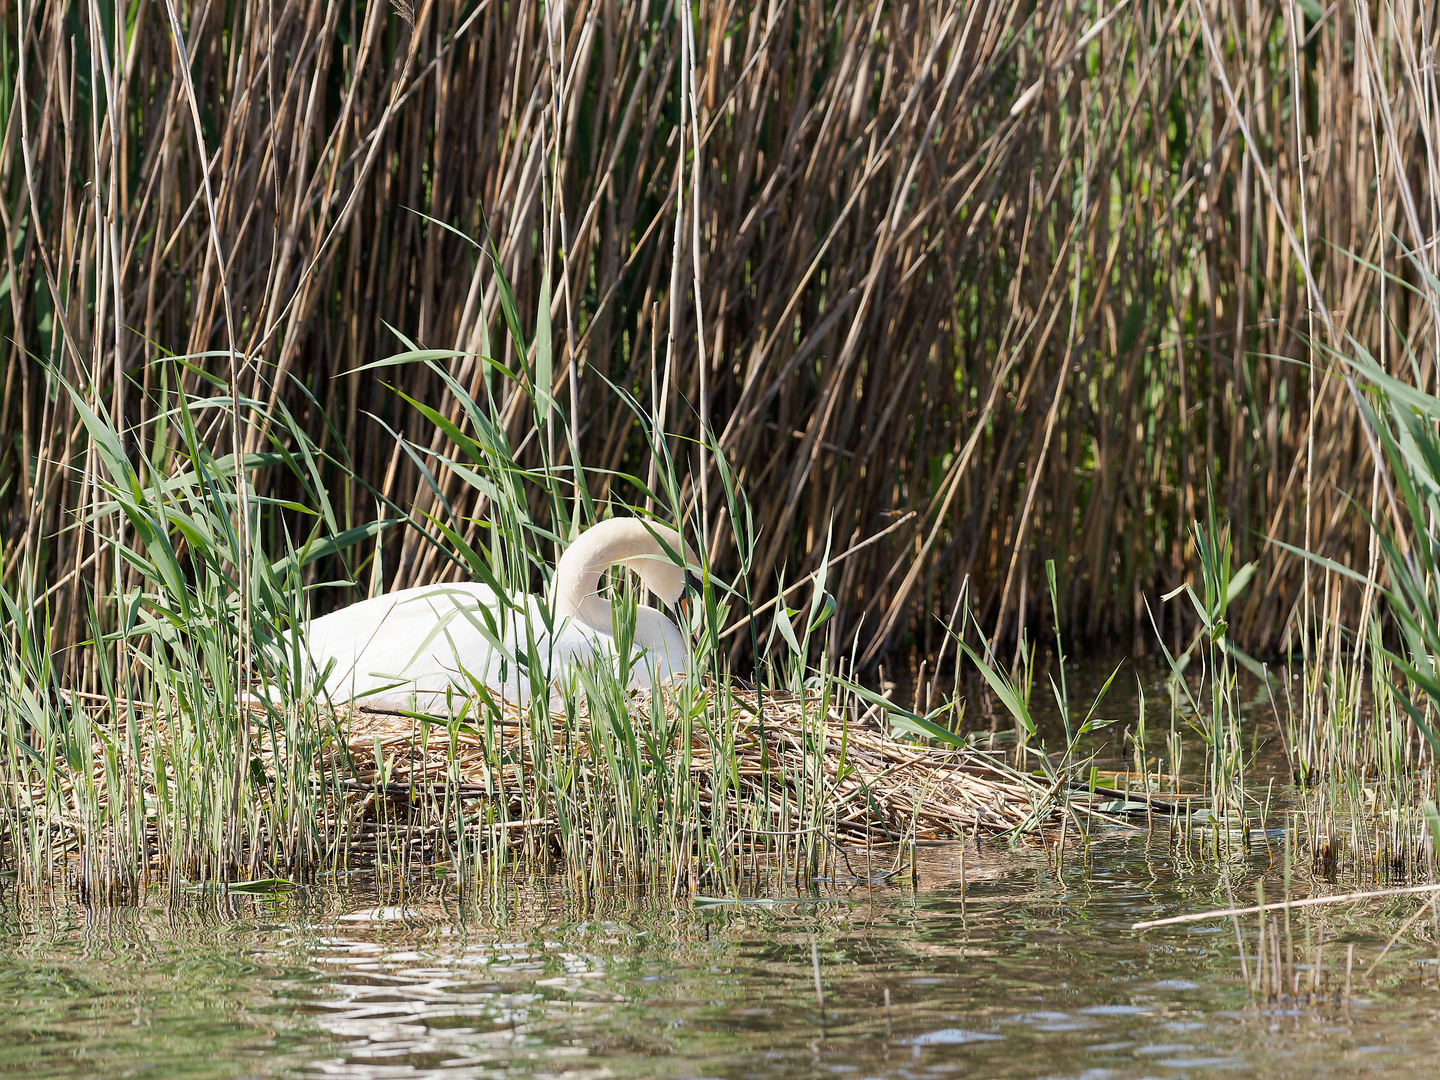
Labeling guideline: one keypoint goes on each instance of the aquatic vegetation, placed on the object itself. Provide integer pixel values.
(215, 753)
(958, 296)
(1007, 279)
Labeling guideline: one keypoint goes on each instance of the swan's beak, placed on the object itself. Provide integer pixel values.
(692, 592)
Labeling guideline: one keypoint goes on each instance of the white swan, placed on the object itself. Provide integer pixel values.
(416, 648)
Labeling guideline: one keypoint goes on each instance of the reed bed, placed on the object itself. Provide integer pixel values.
(901, 306)
(876, 788)
(1006, 277)
(209, 752)
(786, 783)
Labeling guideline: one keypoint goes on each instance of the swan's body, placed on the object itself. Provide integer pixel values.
(418, 648)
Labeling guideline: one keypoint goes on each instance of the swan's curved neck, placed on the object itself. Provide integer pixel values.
(583, 601)
(618, 541)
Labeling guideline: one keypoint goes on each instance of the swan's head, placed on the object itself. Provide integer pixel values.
(657, 554)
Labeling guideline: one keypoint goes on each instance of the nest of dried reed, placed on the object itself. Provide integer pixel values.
(751, 775)
(875, 786)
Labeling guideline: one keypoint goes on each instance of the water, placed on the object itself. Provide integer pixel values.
(1023, 972)
(1032, 974)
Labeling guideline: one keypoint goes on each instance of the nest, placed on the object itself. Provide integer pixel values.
(874, 786)
(745, 773)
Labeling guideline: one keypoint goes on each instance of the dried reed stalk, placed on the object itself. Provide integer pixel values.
(951, 261)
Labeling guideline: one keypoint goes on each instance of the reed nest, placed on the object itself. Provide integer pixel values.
(794, 774)
(876, 787)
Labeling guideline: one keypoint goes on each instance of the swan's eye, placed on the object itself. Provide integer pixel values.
(692, 582)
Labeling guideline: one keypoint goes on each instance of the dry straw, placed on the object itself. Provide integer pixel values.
(804, 784)
(877, 788)
(885, 206)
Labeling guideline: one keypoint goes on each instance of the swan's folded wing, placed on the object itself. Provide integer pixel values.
(415, 637)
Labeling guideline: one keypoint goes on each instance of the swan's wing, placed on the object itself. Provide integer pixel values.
(394, 613)
(416, 648)
(391, 620)
(416, 640)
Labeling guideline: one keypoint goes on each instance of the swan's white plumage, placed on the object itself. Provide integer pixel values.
(416, 648)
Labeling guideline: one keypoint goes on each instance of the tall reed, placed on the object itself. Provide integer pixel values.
(1007, 279)
(209, 753)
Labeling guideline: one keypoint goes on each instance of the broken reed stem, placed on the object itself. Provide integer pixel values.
(1312, 901)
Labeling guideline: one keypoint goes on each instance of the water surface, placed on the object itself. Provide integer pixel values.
(1032, 973)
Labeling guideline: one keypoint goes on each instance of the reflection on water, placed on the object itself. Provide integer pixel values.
(1033, 974)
